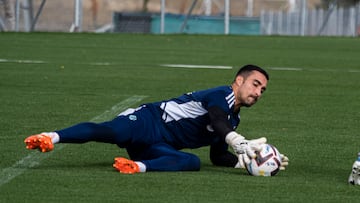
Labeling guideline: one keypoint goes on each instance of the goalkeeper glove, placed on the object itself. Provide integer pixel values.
(284, 161)
(245, 149)
(354, 177)
(241, 162)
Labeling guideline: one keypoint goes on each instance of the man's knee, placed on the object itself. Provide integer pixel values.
(192, 163)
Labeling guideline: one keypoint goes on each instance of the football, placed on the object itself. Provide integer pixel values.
(266, 163)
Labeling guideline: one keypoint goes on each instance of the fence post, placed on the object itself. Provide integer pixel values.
(162, 18)
(77, 24)
(303, 17)
(227, 17)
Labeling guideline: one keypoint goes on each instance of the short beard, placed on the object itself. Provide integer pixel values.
(246, 105)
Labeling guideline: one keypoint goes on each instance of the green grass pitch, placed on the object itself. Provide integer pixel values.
(48, 81)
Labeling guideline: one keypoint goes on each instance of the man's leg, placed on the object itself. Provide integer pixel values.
(86, 132)
(117, 131)
(163, 157)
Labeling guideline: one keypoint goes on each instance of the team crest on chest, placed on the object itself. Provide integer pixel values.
(132, 117)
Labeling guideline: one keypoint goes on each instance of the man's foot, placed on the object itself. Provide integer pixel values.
(39, 141)
(126, 166)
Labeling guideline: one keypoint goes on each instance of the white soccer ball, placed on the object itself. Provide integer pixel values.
(266, 163)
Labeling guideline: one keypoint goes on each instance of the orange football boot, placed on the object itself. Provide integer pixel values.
(127, 166)
(39, 141)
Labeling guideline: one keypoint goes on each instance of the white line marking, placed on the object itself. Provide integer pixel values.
(20, 61)
(118, 108)
(285, 68)
(100, 64)
(34, 158)
(39, 62)
(314, 69)
(195, 66)
(183, 66)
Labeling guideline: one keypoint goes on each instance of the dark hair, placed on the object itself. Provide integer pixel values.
(247, 69)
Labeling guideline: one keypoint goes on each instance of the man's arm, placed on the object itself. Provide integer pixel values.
(245, 149)
(219, 121)
(219, 155)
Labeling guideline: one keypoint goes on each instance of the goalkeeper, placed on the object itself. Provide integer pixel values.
(154, 133)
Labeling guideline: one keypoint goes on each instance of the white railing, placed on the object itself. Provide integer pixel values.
(332, 22)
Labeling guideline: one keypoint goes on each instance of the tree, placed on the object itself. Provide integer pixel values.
(144, 7)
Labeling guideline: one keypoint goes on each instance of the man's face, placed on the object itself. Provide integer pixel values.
(250, 88)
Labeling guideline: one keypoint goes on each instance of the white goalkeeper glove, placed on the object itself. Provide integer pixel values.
(241, 161)
(284, 161)
(245, 149)
(354, 177)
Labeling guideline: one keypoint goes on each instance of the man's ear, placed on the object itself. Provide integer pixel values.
(239, 80)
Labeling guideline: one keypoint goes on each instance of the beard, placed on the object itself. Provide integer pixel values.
(249, 103)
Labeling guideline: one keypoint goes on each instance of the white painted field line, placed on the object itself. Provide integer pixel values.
(20, 61)
(285, 68)
(29, 61)
(270, 68)
(34, 158)
(195, 66)
(118, 108)
(101, 64)
(104, 63)
(313, 69)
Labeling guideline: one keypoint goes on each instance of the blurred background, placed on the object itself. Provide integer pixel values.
(237, 17)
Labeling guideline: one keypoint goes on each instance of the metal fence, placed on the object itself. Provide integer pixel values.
(180, 16)
(332, 22)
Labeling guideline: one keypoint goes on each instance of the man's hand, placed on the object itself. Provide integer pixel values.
(242, 147)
